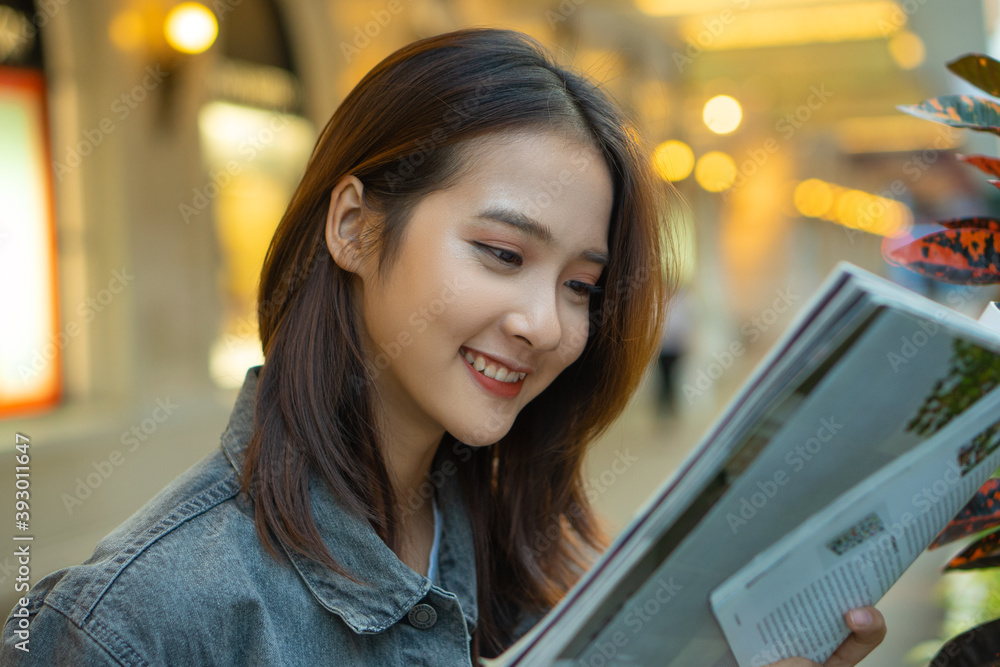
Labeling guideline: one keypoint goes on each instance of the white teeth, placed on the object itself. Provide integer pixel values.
(491, 370)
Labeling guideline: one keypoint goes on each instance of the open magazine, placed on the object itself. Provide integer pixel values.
(867, 427)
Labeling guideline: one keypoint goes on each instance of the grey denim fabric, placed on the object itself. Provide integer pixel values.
(185, 581)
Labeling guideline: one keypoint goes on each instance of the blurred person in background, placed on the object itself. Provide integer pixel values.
(673, 347)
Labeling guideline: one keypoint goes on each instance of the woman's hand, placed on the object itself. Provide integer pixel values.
(868, 632)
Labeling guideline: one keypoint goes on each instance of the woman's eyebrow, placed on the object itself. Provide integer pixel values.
(534, 229)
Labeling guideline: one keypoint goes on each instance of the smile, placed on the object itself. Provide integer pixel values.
(492, 376)
(491, 369)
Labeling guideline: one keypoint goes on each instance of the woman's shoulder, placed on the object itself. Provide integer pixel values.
(187, 556)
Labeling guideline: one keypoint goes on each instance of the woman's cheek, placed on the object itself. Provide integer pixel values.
(574, 341)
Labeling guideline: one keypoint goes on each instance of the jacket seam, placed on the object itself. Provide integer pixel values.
(199, 504)
(102, 636)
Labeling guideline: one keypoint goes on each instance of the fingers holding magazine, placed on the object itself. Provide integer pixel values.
(868, 631)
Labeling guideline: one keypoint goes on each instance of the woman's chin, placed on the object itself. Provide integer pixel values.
(481, 436)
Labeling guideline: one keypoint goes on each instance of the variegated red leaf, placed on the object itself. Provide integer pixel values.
(979, 646)
(981, 222)
(958, 256)
(981, 513)
(982, 554)
(990, 165)
(980, 70)
(975, 113)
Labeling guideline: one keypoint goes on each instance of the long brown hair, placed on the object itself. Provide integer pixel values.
(401, 131)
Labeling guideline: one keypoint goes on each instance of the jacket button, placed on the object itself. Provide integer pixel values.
(422, 616)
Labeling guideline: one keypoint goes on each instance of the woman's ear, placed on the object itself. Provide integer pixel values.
(345, 222)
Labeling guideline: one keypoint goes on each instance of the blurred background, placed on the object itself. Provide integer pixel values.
(148, 149)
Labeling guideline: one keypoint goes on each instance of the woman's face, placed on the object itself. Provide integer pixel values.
(491, 280)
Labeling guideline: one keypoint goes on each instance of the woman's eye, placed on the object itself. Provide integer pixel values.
(503, 256)
(583, 289)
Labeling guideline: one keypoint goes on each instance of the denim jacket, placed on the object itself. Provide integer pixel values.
(185, 581)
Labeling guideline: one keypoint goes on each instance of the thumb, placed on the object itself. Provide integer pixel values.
(868, 631)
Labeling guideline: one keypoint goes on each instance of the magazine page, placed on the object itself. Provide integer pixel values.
(791, 599)
(812, 422)
(817, 319)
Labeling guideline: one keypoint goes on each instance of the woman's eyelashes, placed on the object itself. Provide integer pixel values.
(510, 259)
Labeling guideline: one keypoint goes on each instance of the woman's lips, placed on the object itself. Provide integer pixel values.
(496, 387)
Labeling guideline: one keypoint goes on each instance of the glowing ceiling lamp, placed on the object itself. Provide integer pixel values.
(191, 27)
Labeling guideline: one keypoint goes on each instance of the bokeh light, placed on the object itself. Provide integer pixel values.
(856, 209)
(674, 160)
(722, 114)
(127, 30)
(715, 171)
(907, 49)
(191, 27)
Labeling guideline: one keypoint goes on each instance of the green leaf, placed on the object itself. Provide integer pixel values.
(975, 113)
(980, 70)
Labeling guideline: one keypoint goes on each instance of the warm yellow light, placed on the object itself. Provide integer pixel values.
(127, 30)
(887, 134)
(813, 198)
(673, 160)
(852, 208)
(722, 114)
(191, 27)
(830, 22)
(907, 49)
(715, 171)
(683, 7)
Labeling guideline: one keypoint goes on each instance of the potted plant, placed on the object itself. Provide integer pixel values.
(966, 251)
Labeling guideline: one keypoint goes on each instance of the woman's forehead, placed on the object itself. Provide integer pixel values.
(543, 173)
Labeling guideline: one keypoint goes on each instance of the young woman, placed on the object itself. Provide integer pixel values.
(464, 292)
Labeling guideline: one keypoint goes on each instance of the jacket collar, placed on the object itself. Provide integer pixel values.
(394, 587)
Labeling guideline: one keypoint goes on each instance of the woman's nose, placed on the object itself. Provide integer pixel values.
(536, 320)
